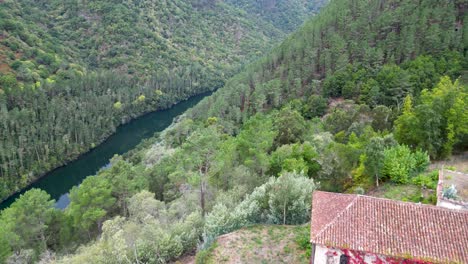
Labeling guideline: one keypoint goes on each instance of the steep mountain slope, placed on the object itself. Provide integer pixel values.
(72, 71)
(356, 33)
(61, 39)
(284, 14)
(319, 111)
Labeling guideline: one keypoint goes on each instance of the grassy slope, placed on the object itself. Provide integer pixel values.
(259, 244)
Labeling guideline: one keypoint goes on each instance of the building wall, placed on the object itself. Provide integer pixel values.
(329, 255)
(451, 204)
(460, 181)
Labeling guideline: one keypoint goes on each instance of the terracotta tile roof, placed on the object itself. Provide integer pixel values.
(389, 227)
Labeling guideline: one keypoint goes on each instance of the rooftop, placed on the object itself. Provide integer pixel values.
(388, 227)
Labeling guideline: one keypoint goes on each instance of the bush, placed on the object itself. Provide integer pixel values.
(428, 180)
(450, 192)
(400, 164)
(45, 58)
(315, 106)
(152, 233)
(204, 255)
(283, 200)
(15, 65)
(421, 161)
(9, 25)
(303, 239)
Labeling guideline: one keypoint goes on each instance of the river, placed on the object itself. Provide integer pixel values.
(59, 181)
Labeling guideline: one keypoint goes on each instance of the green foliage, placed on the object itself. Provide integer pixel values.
(438, 123)
(303, 239)
(423, 73)
(153, 233)
(162, 36)
(217, 159)
(125, 180)
(315, 106)
(283, 200)
(197, 155)
(323, 47)
(25, 224)
(284, 14)
(339, 120)
(255, 141)
(374, 154)
(291, 126)
(203, 256)
(337, 162)
(5, 248)
(400, 164)
(289, 199)
(427, 180)
(389, 84)
(49, 125)
(450, 192)
(118, 105)
(408, 193)
(67, 86)
(371, 161)
(405, 124)
(295, 157)
(394, 84)
(89, 204)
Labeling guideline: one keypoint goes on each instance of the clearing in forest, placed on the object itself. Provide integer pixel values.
(262, 244)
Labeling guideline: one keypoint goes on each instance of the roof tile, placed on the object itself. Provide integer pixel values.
(389, 227)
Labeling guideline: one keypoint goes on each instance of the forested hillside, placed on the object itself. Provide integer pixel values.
(72, 71)
(365, 94)
(63, 39)
(284, 14)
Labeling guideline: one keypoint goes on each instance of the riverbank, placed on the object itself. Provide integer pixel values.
(58, 181)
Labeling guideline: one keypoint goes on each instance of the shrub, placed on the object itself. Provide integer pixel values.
(400, 164)
(450, 192)
(303, 239)
(151, 233)
(283, 200)
(421, 161)
(204, 255)
(428, 180)
(15, 65)
(315, 106)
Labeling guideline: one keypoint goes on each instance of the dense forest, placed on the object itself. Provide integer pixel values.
(72, 71)
(53, 40)
(364, 94)
(286, 15)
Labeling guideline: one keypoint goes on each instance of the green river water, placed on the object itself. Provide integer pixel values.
(59, 181)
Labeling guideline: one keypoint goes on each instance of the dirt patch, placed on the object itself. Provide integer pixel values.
(259, 244)
(455, 162)
(4, 67)
(189, 259)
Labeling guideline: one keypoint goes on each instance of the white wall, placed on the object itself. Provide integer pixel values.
(450, 205)
(325, 255)
(320, 255)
